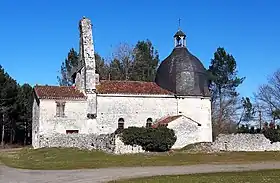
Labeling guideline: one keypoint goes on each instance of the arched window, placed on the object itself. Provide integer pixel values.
(149, 123)
(121, 123)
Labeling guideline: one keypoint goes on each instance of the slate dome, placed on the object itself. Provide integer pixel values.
(181, 72)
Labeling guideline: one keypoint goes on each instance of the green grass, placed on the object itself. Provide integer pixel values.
(54, 158)
(267, 176)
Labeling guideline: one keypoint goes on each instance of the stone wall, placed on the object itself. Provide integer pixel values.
(136, 109)
(244, 142)
(121, 148)
(35, 122)
(82, 141)
(190, 134)
(107, 142)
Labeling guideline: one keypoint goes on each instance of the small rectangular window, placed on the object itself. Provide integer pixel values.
(60, 109)
(72, 131)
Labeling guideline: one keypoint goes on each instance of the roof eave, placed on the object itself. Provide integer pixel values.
(63, 98)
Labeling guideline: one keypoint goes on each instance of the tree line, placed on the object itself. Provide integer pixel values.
(134, 63)
(15, 110)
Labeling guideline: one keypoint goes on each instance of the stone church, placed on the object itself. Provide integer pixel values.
(178, 98)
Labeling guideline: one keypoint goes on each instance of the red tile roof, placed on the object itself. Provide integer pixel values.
(105, 87)
(165, 120)
(130, 87)
(58, 92)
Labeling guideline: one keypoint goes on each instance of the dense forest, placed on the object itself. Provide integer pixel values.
(15, 110)
(140, 63)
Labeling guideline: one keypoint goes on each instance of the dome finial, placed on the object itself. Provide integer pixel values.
(179, 26)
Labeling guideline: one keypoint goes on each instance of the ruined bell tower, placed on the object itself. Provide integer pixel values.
(87, 55)
(87, 78)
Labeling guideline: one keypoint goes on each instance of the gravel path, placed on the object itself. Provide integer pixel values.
(10, 175)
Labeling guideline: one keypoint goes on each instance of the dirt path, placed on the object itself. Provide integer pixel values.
(10, 175)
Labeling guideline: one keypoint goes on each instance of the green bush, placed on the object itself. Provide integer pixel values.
(243, 129)
(151, 139)
(272, 134)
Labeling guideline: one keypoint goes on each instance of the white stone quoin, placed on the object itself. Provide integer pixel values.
(92, 107)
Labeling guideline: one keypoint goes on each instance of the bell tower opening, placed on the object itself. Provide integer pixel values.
(180, 37)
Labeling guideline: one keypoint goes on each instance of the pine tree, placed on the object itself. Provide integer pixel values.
(8, 97)
(102, 68)
(116, 70)
(69, 63)
(145, 63)
(24, 110)
(223, 88)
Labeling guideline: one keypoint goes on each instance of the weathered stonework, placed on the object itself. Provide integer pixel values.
(135, 110)
(191, 133)
(244, 142)
(109, 143)
(81, 141)
(35, 123)
(121, 148)
(87, 54)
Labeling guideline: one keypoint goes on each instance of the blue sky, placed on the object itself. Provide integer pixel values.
(36, 36)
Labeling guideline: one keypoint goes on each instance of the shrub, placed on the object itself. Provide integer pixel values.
(252, 130)
(244, 129)
(151, 139)
(272, 134)
(258, 130)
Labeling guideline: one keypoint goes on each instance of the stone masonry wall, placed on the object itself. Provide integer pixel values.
(135, 110)
(35, 123)
(244, 142)
(107, 142)
(121, 148)
(81, 141)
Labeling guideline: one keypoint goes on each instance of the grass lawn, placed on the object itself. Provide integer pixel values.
(55, 158)
(267, 176)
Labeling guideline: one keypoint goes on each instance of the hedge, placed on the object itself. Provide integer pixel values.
(150, 139)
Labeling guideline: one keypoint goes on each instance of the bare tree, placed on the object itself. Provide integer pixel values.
(225, 114)
(268, 96)
(124, 54)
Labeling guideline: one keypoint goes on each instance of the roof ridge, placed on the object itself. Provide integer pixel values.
(127, 81)
(54, 86)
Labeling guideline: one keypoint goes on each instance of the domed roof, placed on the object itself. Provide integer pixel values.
(183, 74)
